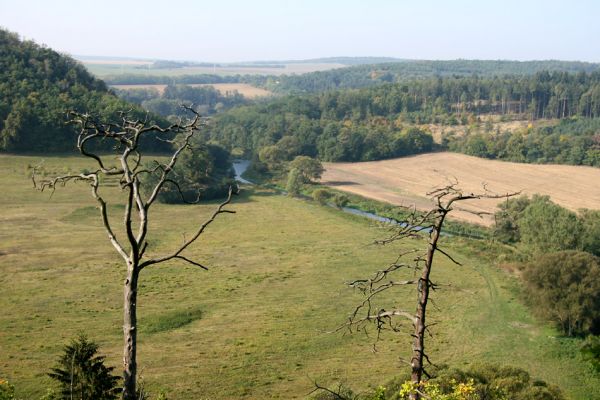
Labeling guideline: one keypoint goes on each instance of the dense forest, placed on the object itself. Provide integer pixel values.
(37, 86)
(375, 123)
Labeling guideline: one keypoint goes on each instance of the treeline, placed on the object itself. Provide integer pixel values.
(573, 141)
(372, 123)
(361, 76)
(37, 86)
(206, 99)
(366, 72)
(138, 79)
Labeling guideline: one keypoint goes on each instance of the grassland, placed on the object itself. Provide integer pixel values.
(256, 325)
(244, 89)
(404, 181)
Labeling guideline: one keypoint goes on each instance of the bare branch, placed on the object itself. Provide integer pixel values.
(220, 210)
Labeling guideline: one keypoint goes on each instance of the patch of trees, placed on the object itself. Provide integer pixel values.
(206, 99)
(37, 86)
(204, 172)
(574, 141)
(562, 276)
(564, 287)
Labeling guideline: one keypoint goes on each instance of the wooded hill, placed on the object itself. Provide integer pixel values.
(373, 123)
(37, 87)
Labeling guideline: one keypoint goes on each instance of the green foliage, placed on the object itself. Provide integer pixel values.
(564, 287)
(340, 200)
(590, 237)
(506, 227)
(573, 141)
(82, 374)
(308, 168)
(591, 351)
(205, 170)
(7, 391)
(38, 86)
(321, 196)
(545, 226)
(206, 99)
(294, 182)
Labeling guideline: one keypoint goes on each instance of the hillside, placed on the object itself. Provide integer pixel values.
(404, 181)
(262, 315)
(378, 122)
(37, 87)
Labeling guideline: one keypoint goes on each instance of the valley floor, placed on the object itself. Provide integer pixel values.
(268, 304)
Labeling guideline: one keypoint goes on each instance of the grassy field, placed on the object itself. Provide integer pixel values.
(244, 89)
(257, 324)
(404, 181)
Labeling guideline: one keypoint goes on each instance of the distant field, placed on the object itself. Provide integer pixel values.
(261, 315)
(244, 89)
(405, 181)
(118, 67)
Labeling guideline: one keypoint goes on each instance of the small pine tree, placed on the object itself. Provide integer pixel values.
(82, 374)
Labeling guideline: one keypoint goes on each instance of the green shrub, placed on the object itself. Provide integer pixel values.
(321, 196)
(82, 374)
(564, 287)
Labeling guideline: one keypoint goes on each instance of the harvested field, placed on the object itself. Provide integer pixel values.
(244, 89)
(405, 181)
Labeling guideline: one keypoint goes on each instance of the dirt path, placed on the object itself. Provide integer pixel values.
(405, 181)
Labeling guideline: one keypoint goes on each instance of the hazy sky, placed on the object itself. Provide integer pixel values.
(236, 30)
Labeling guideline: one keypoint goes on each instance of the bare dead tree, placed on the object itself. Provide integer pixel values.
(132, 245)
(417, 225)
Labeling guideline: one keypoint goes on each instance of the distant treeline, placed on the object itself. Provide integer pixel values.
(370, 123)
(361, 75)
(135, 79)
(206, 99)
(37, 87)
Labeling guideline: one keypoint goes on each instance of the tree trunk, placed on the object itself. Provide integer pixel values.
(130, 333)
(423, 297)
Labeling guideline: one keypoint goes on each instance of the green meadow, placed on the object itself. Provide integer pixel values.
(260, 322)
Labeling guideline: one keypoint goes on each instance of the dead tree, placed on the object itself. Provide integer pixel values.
(132, 244)
(426, 226)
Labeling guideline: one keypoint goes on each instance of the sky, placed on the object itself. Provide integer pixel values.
(237, 30)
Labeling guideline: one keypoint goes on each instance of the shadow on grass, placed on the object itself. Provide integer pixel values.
(169, 321)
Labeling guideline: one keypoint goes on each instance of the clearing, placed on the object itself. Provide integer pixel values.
(406, 181)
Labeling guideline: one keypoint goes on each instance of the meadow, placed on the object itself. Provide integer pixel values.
(405, 181)
(259, 324)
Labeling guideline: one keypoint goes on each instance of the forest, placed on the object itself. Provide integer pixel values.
(384, 121)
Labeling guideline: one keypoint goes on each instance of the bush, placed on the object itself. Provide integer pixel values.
(321, 196)
(82, 374)
(294, 182)
(564, 287)
(546, 226)
(340, 200)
